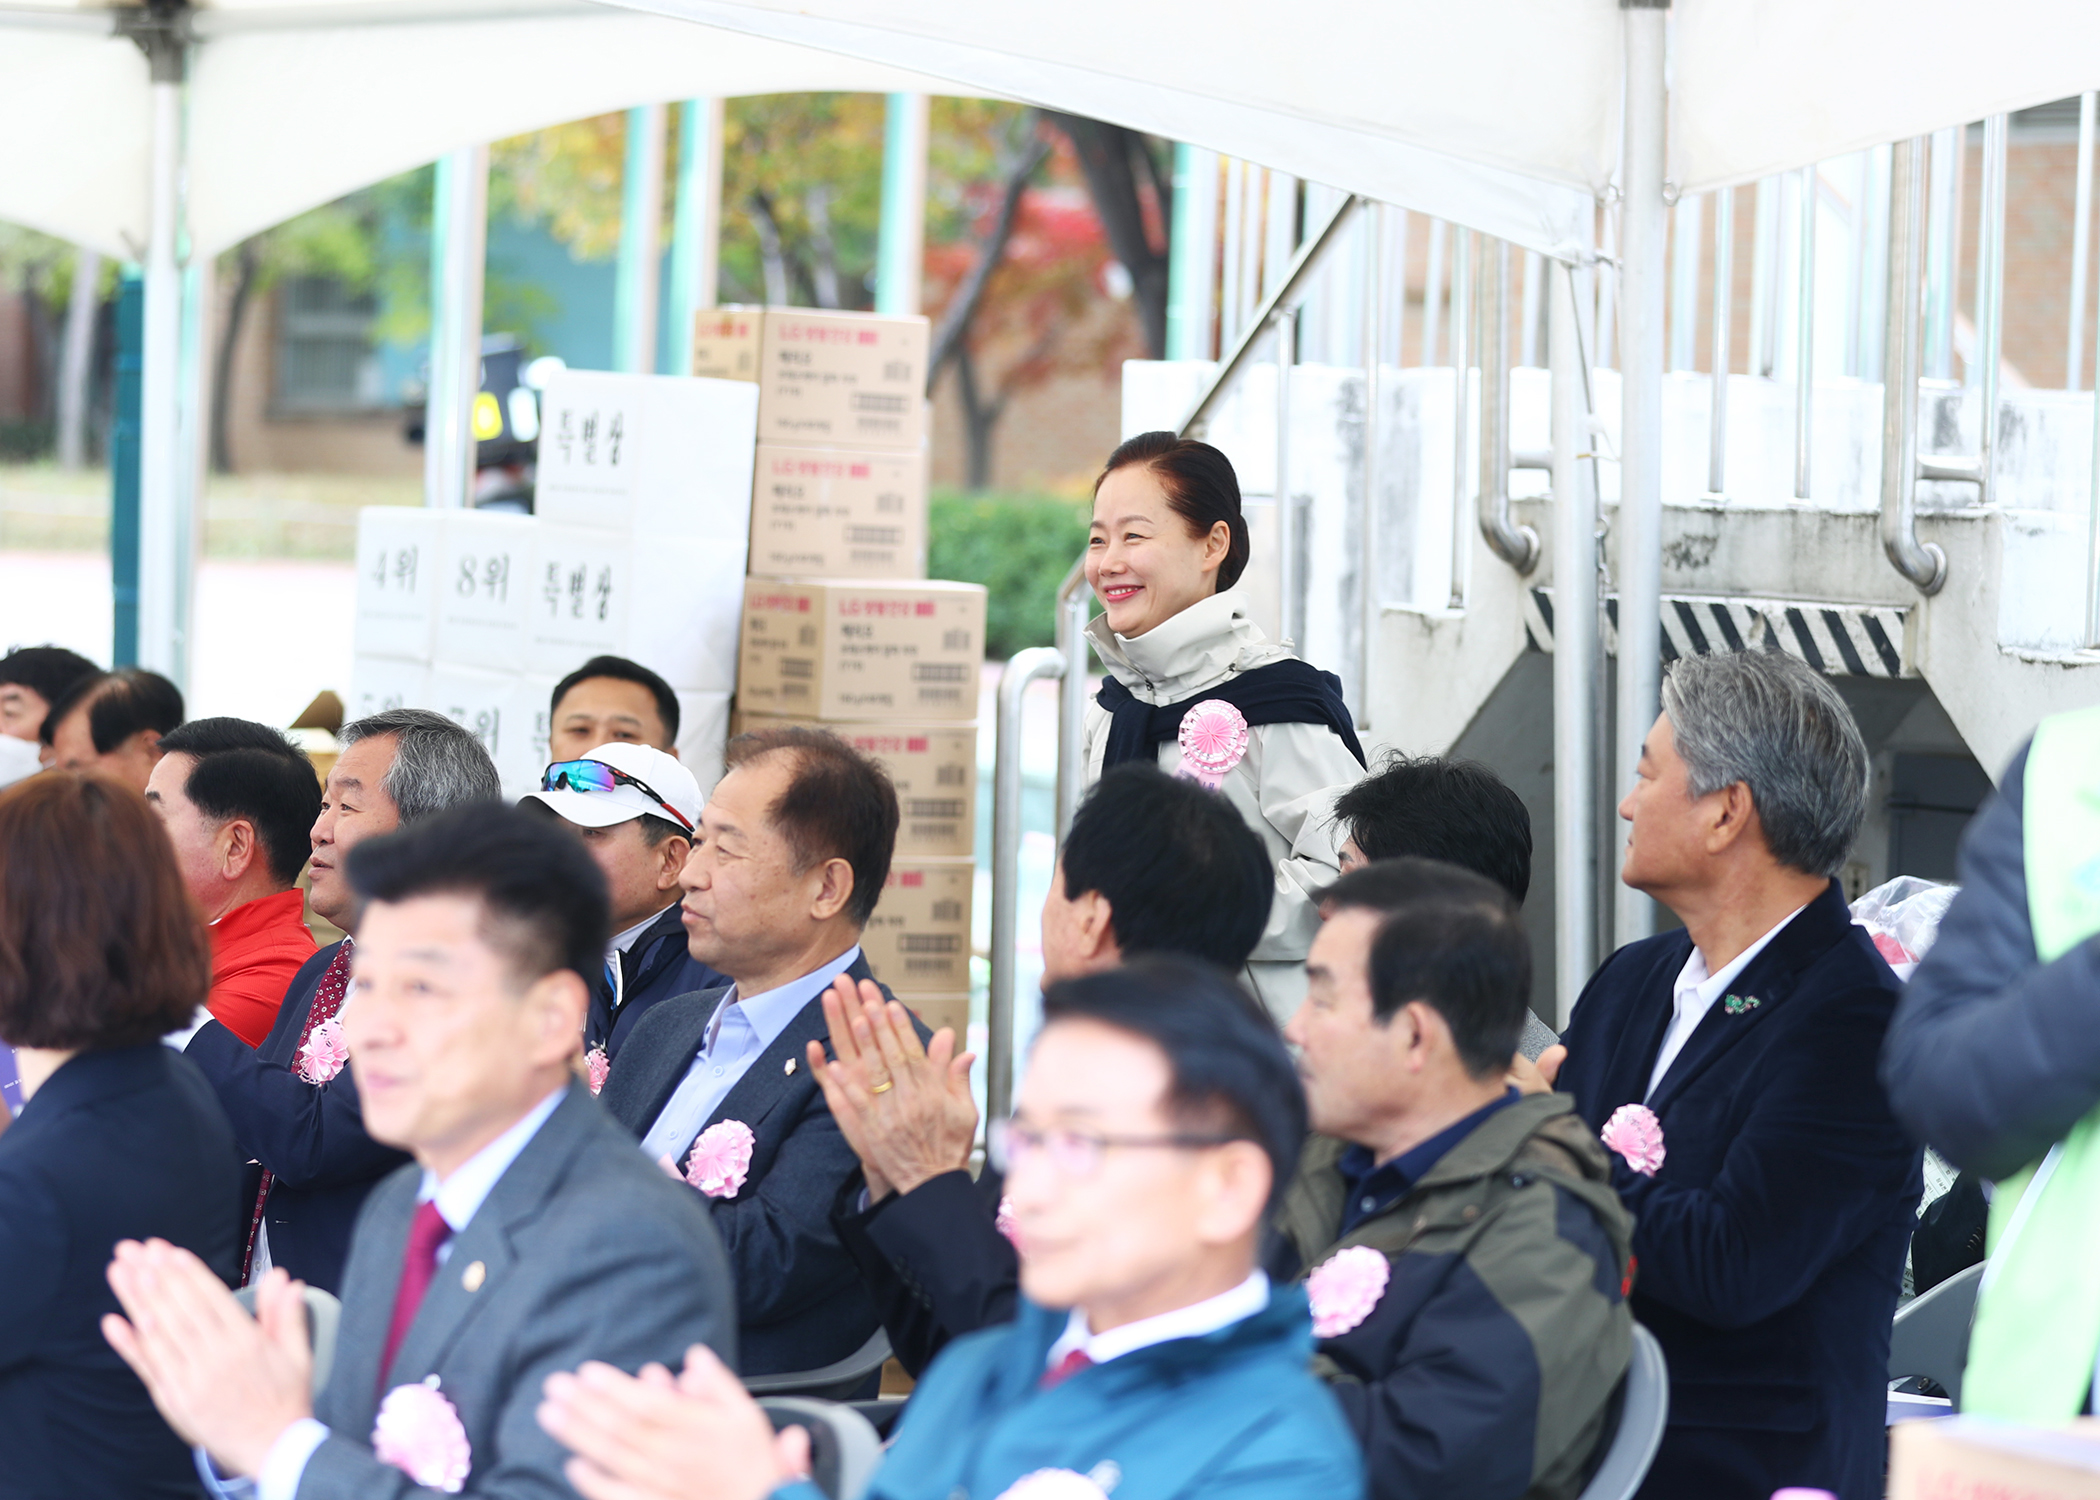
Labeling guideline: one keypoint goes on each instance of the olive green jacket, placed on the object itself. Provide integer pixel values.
(1487, 1366)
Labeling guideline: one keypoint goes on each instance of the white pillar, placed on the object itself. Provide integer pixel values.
(164, 557)
(1689, 222)
(635, 304)
(696, 228)
(900, 255)
(1643, 287)
(458, 263)
(1575, 685)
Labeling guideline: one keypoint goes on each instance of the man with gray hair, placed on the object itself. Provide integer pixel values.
(1730, 1066)
(293, 1105)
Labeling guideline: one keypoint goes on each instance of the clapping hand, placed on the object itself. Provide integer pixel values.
(905, 1109)
(652, 1437)
(229, 1383)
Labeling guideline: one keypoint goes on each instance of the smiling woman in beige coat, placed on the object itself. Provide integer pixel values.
(1196, 685)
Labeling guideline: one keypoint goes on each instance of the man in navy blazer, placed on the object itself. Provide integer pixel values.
(1769, 1242)
(790, 856)
(311, 1160)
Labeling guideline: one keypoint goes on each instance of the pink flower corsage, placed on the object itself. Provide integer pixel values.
(1053, 1484)
(1635, 1133)
(1213, 740)
(1005, 1222)
(1345, 1287)
(325, 1052)
(595, 1066)
(419, 1433)
(721, 1159)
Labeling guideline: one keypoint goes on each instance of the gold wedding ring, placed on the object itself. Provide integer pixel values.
(884, 1087)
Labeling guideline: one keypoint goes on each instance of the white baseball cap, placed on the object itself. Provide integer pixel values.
(641, 771)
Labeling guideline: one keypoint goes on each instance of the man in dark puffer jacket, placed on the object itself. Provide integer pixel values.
(1468, 1257)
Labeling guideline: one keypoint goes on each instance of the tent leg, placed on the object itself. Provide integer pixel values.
(696, 230)
(458, 261)
(1644, 289)
(164, 555)
(1575, 687)
(1192, 252)
(641, 242)
(901, 252)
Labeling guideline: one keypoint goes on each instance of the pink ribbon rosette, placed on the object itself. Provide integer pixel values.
(1004, 1221)
(325, 1052)
(1345, 1287)
(1053, 1484)
(419, 1433)
(595, 1066)
(1635, 1133)
(721, 1159)
(1214, 738)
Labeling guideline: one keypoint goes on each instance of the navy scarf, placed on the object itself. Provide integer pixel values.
(1290, 691)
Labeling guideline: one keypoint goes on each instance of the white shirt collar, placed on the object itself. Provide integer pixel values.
(1696, 991)
(1191, 1322)
(460, 1196)
(768, 1013)
(625, 941)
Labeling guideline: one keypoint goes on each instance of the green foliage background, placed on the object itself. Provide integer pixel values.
(1019, 547)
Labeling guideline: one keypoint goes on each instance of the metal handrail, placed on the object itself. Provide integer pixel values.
(1924, 564)
(1287, 295)
(1024, 667)
(1516, 545)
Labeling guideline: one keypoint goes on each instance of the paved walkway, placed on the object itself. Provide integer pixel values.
(270, 634)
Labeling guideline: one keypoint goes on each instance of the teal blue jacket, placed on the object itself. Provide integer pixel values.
(1234, 1415)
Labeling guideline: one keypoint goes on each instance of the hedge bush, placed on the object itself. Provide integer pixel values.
(1019, 547)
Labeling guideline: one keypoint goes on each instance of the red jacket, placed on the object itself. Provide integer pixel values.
(255, 950)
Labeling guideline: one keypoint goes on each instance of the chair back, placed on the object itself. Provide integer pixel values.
(1930, 1337)
(1644, 1408)
(840, 1381)
(323, 1314)
(843, 1449)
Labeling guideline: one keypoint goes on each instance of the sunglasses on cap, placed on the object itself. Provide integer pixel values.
(597, 776)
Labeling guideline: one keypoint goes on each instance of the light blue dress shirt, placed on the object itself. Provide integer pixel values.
(740, 1031)
(458, 1198)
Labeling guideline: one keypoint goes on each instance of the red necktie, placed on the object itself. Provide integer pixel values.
(419, 1263)
(1064, 1370)
(328, 999)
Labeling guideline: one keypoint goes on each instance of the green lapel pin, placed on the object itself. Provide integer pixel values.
(1737, 1005)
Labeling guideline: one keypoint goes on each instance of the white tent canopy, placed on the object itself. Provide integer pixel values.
(291, 106)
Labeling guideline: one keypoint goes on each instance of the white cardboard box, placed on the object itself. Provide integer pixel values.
(703, 729)
(378, 683)
(497, 708)
(483, 589)
(687, 606)
(400, 552)
(656, 455)
(582, 580)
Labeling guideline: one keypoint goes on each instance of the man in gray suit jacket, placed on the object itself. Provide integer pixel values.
(790, 856)
(529, 1233)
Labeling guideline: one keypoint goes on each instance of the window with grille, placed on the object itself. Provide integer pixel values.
(325, 356)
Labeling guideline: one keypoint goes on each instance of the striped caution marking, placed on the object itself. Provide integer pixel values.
(1848, 640)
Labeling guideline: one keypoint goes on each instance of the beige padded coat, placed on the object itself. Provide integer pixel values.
(1285, 786)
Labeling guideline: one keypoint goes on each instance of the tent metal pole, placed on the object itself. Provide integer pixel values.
(1575, 686)
(1461, 437)
(901, 249)
(163, 551)
(2081, 246)
(1724, 325)
(1805, 331)
(458, 262)
(1290, 613)
(635, 304)
(1369, 613)
(696, 227)
(1643, 290)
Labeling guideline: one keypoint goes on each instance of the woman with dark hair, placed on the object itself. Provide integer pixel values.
(1195, 685)
(101, 954)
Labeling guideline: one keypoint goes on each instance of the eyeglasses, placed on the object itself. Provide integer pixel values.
(1078, 1153)
(597, 776)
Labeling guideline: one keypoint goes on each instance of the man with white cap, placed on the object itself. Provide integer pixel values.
(634, 807)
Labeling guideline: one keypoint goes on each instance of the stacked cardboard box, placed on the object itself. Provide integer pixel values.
(839, 630)
(637, 548)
